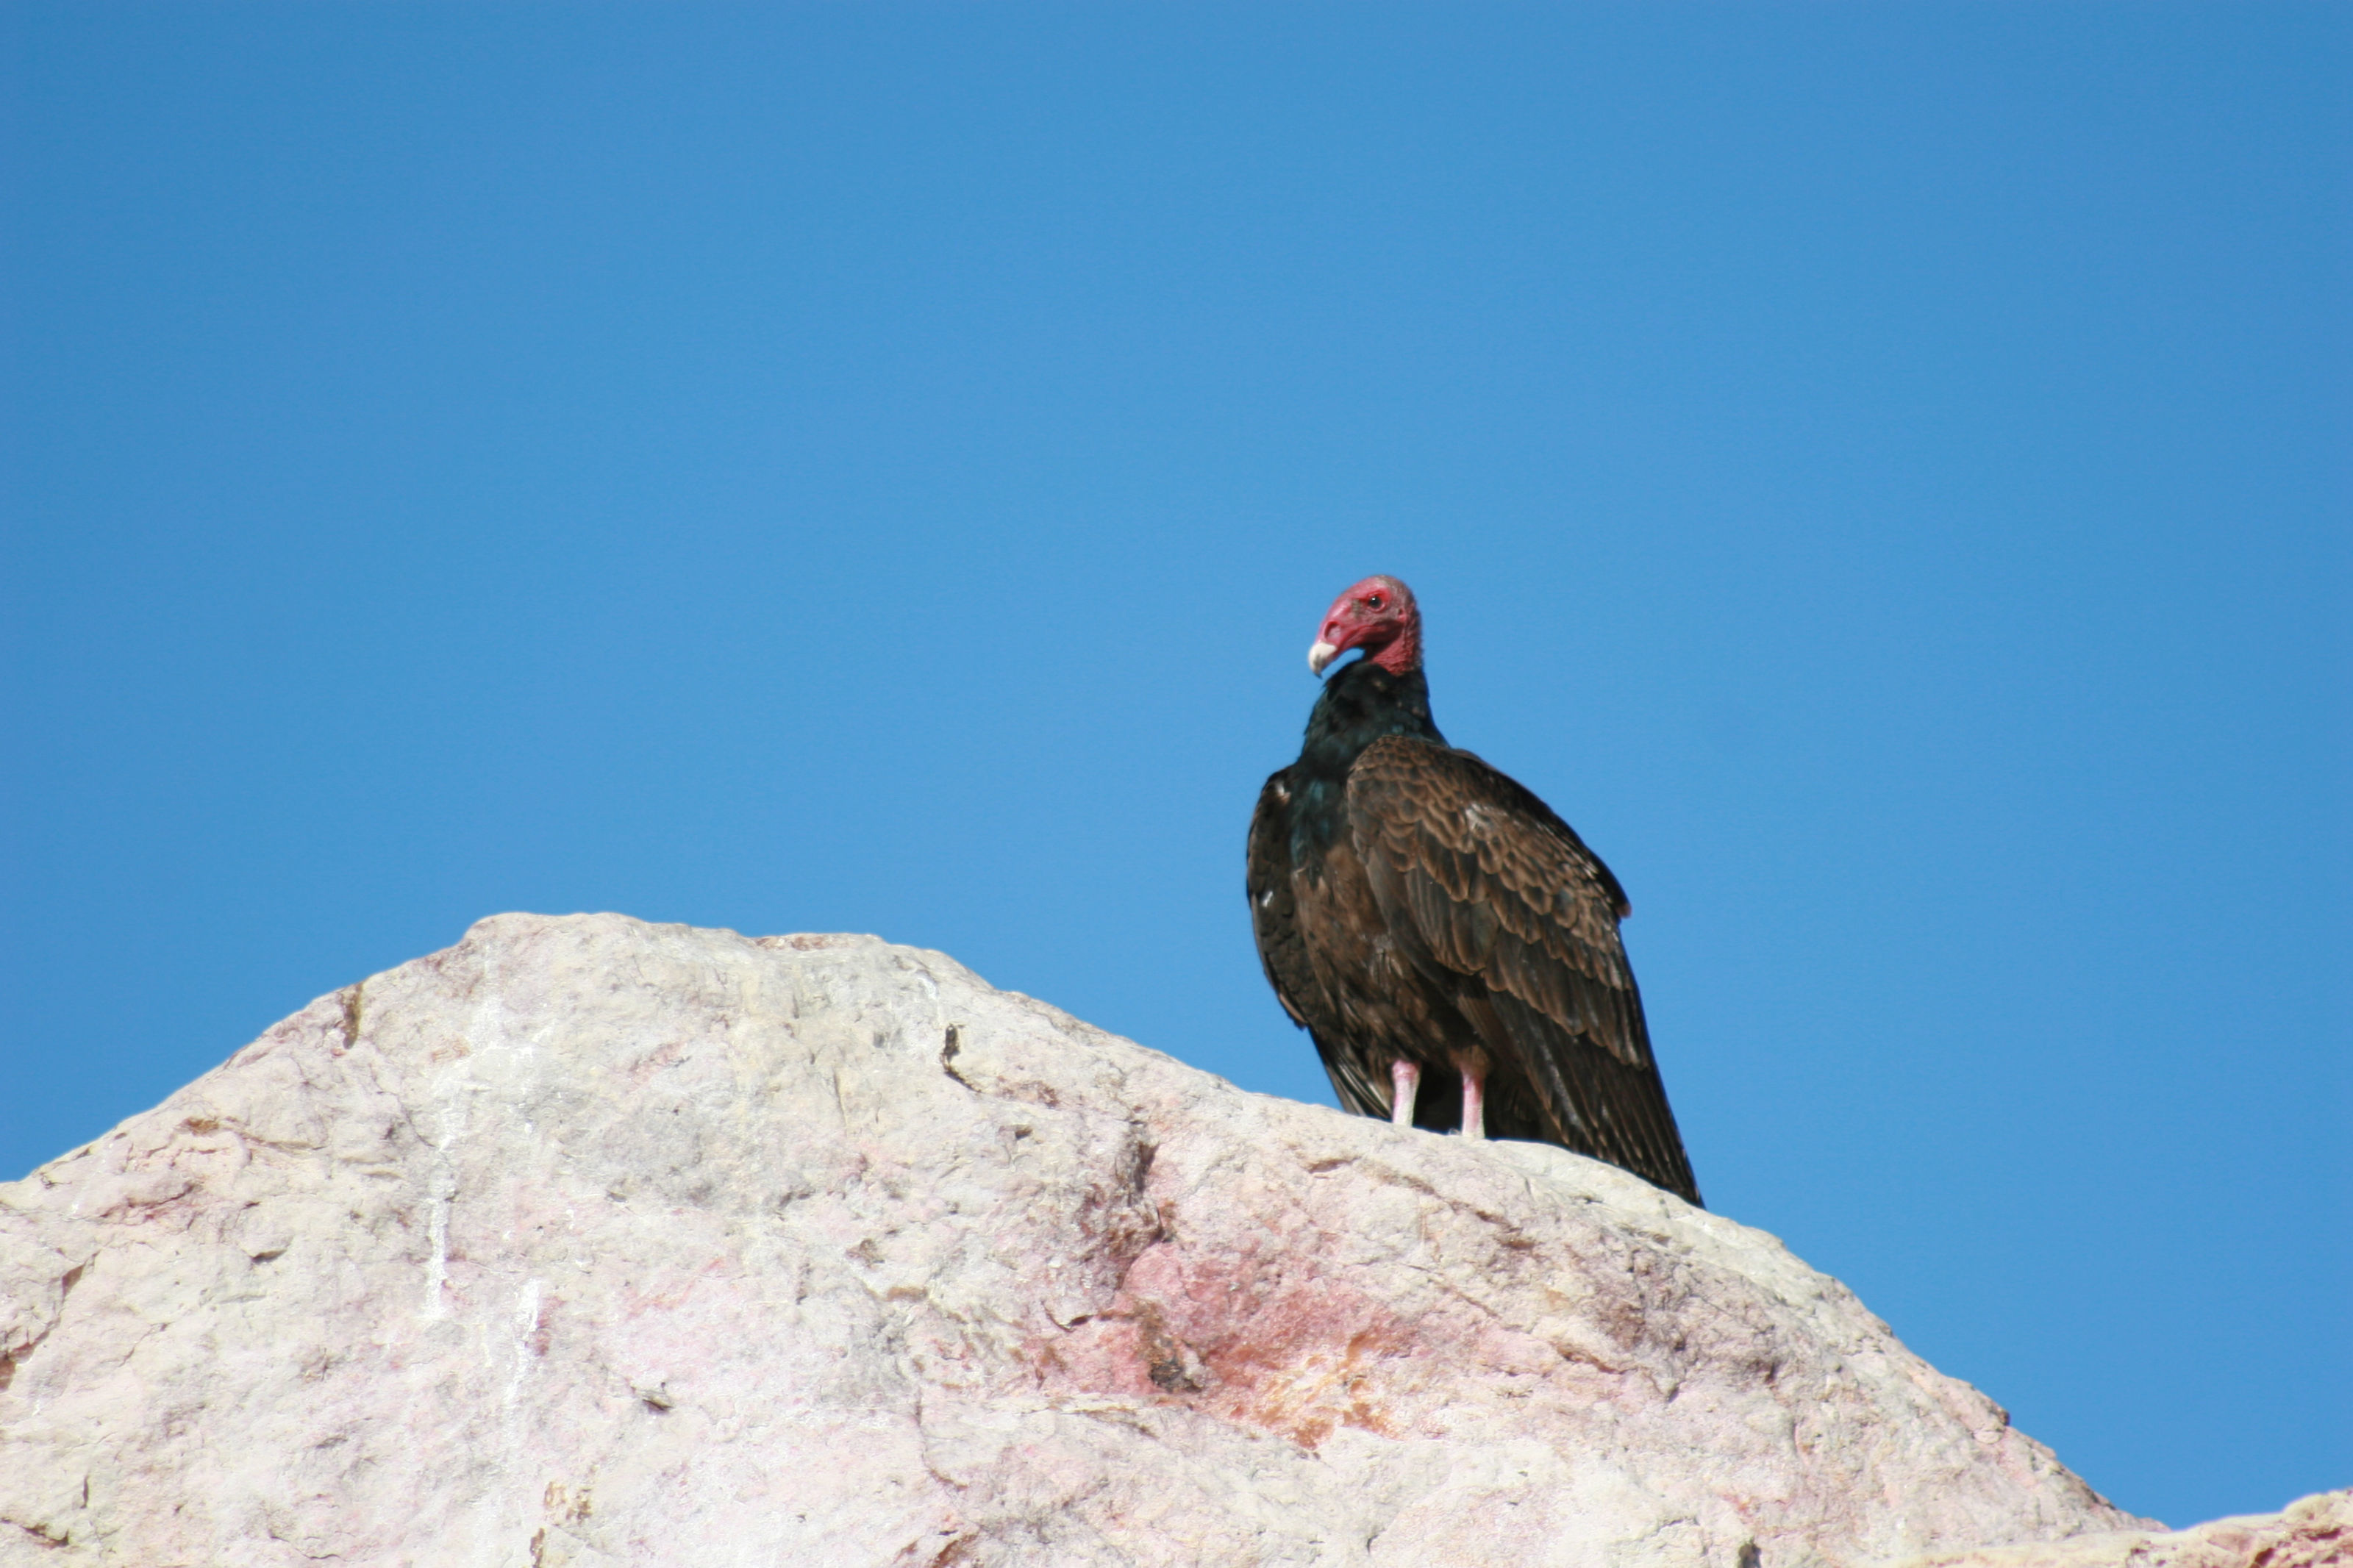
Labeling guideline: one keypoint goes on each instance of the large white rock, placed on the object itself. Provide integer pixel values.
(588, 1241)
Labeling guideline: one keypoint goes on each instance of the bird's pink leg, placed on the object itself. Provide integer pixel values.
(1405, 1078)
(1474, 1114)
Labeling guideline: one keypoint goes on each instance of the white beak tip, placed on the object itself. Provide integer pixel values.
(1322, 653)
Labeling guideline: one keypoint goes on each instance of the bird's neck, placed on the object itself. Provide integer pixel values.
(1362, 703)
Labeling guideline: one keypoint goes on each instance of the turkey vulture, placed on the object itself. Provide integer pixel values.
(1448, 942)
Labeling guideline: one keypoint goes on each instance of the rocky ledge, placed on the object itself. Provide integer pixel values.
(589, 1241)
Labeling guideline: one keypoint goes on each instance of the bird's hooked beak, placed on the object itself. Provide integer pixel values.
(1322, 653)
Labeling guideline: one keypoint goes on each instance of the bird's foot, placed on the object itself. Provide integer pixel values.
(1404, 1080)
(1474, 1107)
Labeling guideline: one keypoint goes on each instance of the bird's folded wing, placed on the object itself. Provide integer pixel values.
(1283, 949)
(1497, 887)
(1482, 885)
(1274, 919)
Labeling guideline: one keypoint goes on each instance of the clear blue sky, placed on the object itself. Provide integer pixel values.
(1880, 472)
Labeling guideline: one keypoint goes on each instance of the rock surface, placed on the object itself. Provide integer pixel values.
(2316, 1532)
(588, 1241)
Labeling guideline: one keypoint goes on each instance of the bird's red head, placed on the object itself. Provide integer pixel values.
(1378, 615)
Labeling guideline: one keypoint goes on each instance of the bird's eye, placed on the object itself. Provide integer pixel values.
(1374, 602)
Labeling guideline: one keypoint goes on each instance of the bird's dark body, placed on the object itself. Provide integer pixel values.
(1412, 902)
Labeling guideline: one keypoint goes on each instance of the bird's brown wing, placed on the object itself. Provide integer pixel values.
(1283, 948)
(1484, 889)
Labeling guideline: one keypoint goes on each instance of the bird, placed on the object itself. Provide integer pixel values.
(1449, 943)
